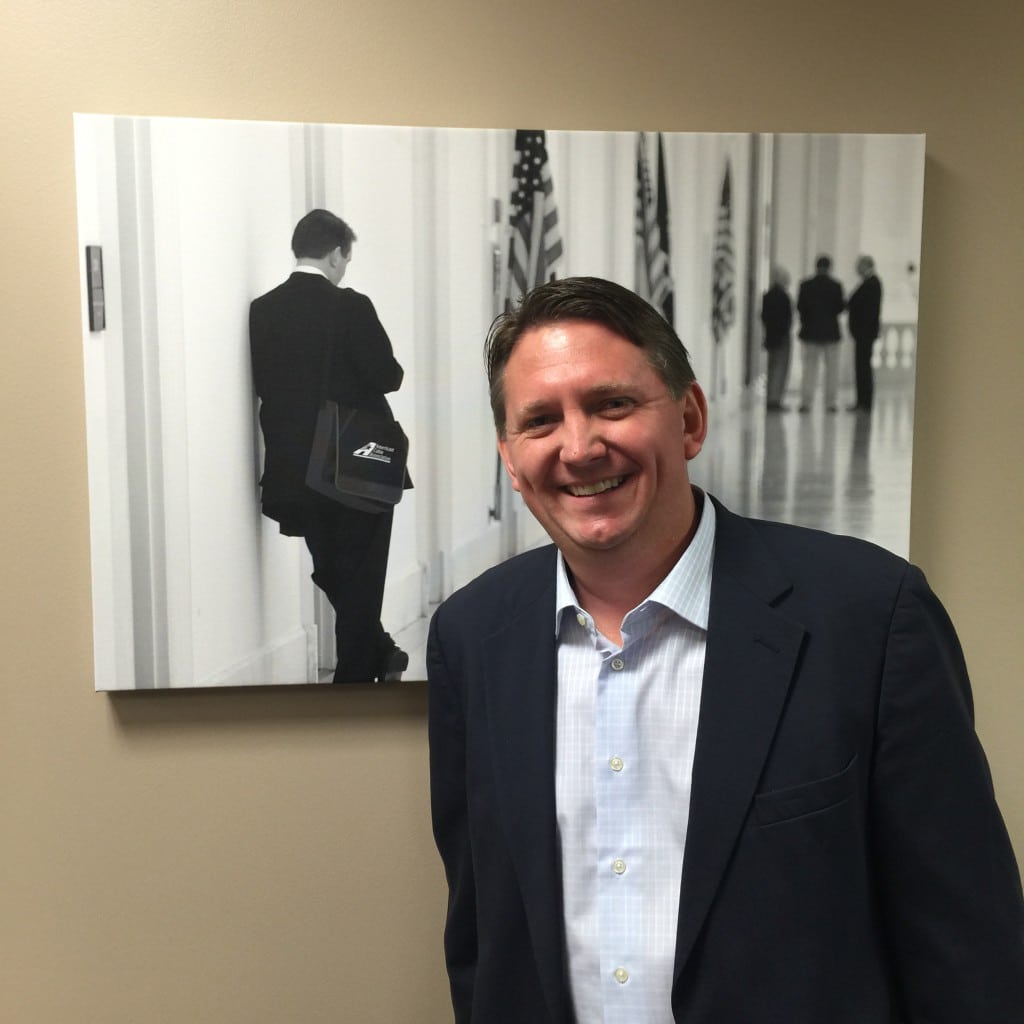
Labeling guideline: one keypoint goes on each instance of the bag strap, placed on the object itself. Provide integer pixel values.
(339, 430)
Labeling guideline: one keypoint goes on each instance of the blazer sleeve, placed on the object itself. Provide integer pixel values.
(449, 810)
(367, 347)
(949, 884)
(258, 346)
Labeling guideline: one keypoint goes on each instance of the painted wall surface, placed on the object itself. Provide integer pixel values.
(260, 856)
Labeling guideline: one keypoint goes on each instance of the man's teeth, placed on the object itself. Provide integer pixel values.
(586, 490)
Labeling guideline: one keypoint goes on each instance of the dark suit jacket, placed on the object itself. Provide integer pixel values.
(777, 316)
(819, 302)
(845, 862)
(865, 309)
(289, 330)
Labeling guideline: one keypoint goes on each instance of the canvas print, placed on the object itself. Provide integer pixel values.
(223, 315)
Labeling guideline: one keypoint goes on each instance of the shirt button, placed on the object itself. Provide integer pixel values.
(621, 975)
(618, 866)
(616, 764)
(581, 619)
(618, 664)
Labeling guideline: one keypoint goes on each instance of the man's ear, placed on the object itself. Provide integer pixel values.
(695, 420)
(507, 461)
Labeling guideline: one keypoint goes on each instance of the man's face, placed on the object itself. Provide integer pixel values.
(595, 443)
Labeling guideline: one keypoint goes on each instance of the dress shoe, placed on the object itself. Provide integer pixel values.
(805, 408)
(776, 407)
(394, 662)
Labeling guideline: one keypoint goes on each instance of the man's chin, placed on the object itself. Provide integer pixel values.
(585, 535)
(604, 538)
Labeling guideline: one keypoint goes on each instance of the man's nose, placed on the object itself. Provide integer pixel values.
(581, 440)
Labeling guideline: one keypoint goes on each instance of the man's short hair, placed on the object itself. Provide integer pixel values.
(598, 301)
(320, 232)
(823, 264)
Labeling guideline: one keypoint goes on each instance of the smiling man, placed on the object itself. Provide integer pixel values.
(592, 440)
(691, 767)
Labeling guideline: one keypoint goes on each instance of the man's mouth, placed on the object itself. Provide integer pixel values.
(598, 487)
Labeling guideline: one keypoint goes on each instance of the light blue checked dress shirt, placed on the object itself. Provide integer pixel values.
(627, 730)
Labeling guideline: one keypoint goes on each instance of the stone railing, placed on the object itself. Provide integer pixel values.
(898, 345)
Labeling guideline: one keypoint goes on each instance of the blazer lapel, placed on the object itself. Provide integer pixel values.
(521, 671)
(751, 656)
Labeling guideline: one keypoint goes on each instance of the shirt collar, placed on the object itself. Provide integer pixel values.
(306, 269)
(686, 590)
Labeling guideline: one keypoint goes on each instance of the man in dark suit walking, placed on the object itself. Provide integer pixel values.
(312, 340)
(689, 767)
(864, 319)
(819, 303)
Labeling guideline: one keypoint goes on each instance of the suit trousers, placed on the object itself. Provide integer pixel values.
(778, 372)
(813, 353)
(863, 350)
(350, 560)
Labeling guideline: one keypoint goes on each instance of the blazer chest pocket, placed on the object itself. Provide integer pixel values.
(781, 805)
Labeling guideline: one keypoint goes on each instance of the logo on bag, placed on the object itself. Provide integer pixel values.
(375, 451)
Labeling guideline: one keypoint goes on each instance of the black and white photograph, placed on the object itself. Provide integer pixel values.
(291, 450)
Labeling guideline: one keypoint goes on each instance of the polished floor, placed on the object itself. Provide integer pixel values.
(844, 472)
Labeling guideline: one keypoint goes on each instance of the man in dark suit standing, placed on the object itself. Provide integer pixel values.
(777, 320)
(819, 303)
(312, 340)
(864, 319)
(690, 767)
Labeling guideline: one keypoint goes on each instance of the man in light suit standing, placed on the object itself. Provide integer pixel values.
(690, 767)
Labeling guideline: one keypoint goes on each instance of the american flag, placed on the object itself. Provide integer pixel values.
(653, 274)
(535, 247)
(723, 273)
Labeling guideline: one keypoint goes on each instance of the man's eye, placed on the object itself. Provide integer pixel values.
(536, 423)
(617, 406)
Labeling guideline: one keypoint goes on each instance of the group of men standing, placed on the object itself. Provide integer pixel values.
(820, 302)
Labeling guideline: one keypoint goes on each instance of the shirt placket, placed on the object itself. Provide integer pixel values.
(620, 807)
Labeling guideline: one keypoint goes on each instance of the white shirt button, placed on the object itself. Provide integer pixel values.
(621, 975)
(581, 619)
(618, 664)
(618, 866)
(616, 764)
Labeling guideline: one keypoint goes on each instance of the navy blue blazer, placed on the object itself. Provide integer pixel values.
(845, 859)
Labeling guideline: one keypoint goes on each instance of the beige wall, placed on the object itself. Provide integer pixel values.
(265, 856)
